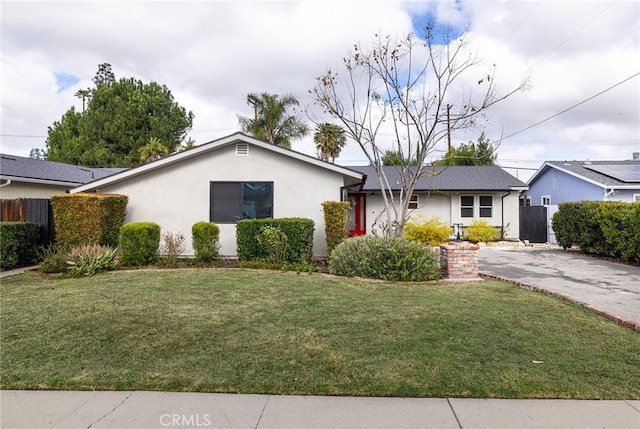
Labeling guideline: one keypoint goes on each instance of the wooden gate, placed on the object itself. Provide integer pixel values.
(533, 224)
(36, 210)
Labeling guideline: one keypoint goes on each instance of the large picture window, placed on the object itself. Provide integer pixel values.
(234, 201)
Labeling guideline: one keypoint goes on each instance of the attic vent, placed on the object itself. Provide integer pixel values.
(242, 149)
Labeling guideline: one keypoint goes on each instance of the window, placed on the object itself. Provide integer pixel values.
(413, 202)
(466, 205)
(636, 198)
(555, 181)
(486, 205)
(233, 201)
(545, 200)
(526, 201)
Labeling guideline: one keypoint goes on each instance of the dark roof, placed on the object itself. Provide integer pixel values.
(18, 167)
(448, 178)
(581, 168)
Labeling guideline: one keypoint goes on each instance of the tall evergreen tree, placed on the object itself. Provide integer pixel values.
(121, 117)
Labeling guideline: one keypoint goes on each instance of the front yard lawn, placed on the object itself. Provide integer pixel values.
(246, 331)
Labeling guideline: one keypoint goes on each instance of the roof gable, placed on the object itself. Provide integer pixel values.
(586, 172)
(211, 146)
(448, 178)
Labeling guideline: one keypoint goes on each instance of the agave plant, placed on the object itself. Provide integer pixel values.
(89, 259)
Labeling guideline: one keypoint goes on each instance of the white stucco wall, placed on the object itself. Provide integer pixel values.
(178, 196)
(446, 207)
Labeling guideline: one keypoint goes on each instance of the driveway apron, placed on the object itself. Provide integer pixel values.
(610, 288)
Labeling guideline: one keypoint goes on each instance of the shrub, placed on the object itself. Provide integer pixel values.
(335, 222)
(480, 230)
(139, 242)
(275, 241)
(53, 261)
(172, 247)
(299, 232)
(18, 244)
(205, 237)
(89, 259)
(88, 218)
(604, 228)
(429, 233)
(385, 258)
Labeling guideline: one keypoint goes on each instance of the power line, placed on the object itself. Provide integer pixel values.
(572, 107)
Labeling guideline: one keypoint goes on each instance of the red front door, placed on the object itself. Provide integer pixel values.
(357, 217)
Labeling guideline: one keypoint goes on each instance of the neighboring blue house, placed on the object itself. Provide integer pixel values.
(563, 181)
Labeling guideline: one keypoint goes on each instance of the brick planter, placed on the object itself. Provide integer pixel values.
(459, 261)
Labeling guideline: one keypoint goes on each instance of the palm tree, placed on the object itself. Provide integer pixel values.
(329, 140)
(271, 121)
(85, 94)
(152, 151)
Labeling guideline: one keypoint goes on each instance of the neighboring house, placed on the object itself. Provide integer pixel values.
(453, 194)
(22, 177)
(229, 179)
(563, 181)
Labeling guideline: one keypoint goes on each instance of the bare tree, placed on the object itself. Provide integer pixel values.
(411, 86)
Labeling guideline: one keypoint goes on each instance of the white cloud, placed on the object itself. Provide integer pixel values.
(212, 53)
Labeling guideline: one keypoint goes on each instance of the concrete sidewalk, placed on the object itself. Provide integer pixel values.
(95, 410)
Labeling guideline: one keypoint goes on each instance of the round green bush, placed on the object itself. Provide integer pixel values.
(139, 242)
(205, 237)
(385, 258)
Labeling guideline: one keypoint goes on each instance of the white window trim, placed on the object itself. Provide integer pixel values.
(542, 198)
(414, 202)
(636, 198)
(481, 207)
(473, 207)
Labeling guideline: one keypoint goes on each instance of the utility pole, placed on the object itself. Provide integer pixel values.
(449, 127)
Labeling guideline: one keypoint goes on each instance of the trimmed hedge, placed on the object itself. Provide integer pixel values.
(385, 258)
(88, 218)
(18, 244)
(603, 228)
(205, 237)
(139, 242)
(335, 222)
(299, 232)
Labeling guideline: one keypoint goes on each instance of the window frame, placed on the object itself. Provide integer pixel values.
(224, 218)
(414, 202)
(546, 198)
(467, 207)
(485, 207)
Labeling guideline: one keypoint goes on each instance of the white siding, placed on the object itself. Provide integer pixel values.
(178, 196)
(447, 209)
(17, 190)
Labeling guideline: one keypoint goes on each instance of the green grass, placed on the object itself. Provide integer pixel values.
(245, 331)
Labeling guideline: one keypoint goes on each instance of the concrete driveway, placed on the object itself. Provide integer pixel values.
(609, 288)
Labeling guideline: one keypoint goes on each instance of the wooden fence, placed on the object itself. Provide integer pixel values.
(37, 210)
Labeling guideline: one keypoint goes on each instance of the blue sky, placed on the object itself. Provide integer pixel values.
(65, 81)
(211, 54)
